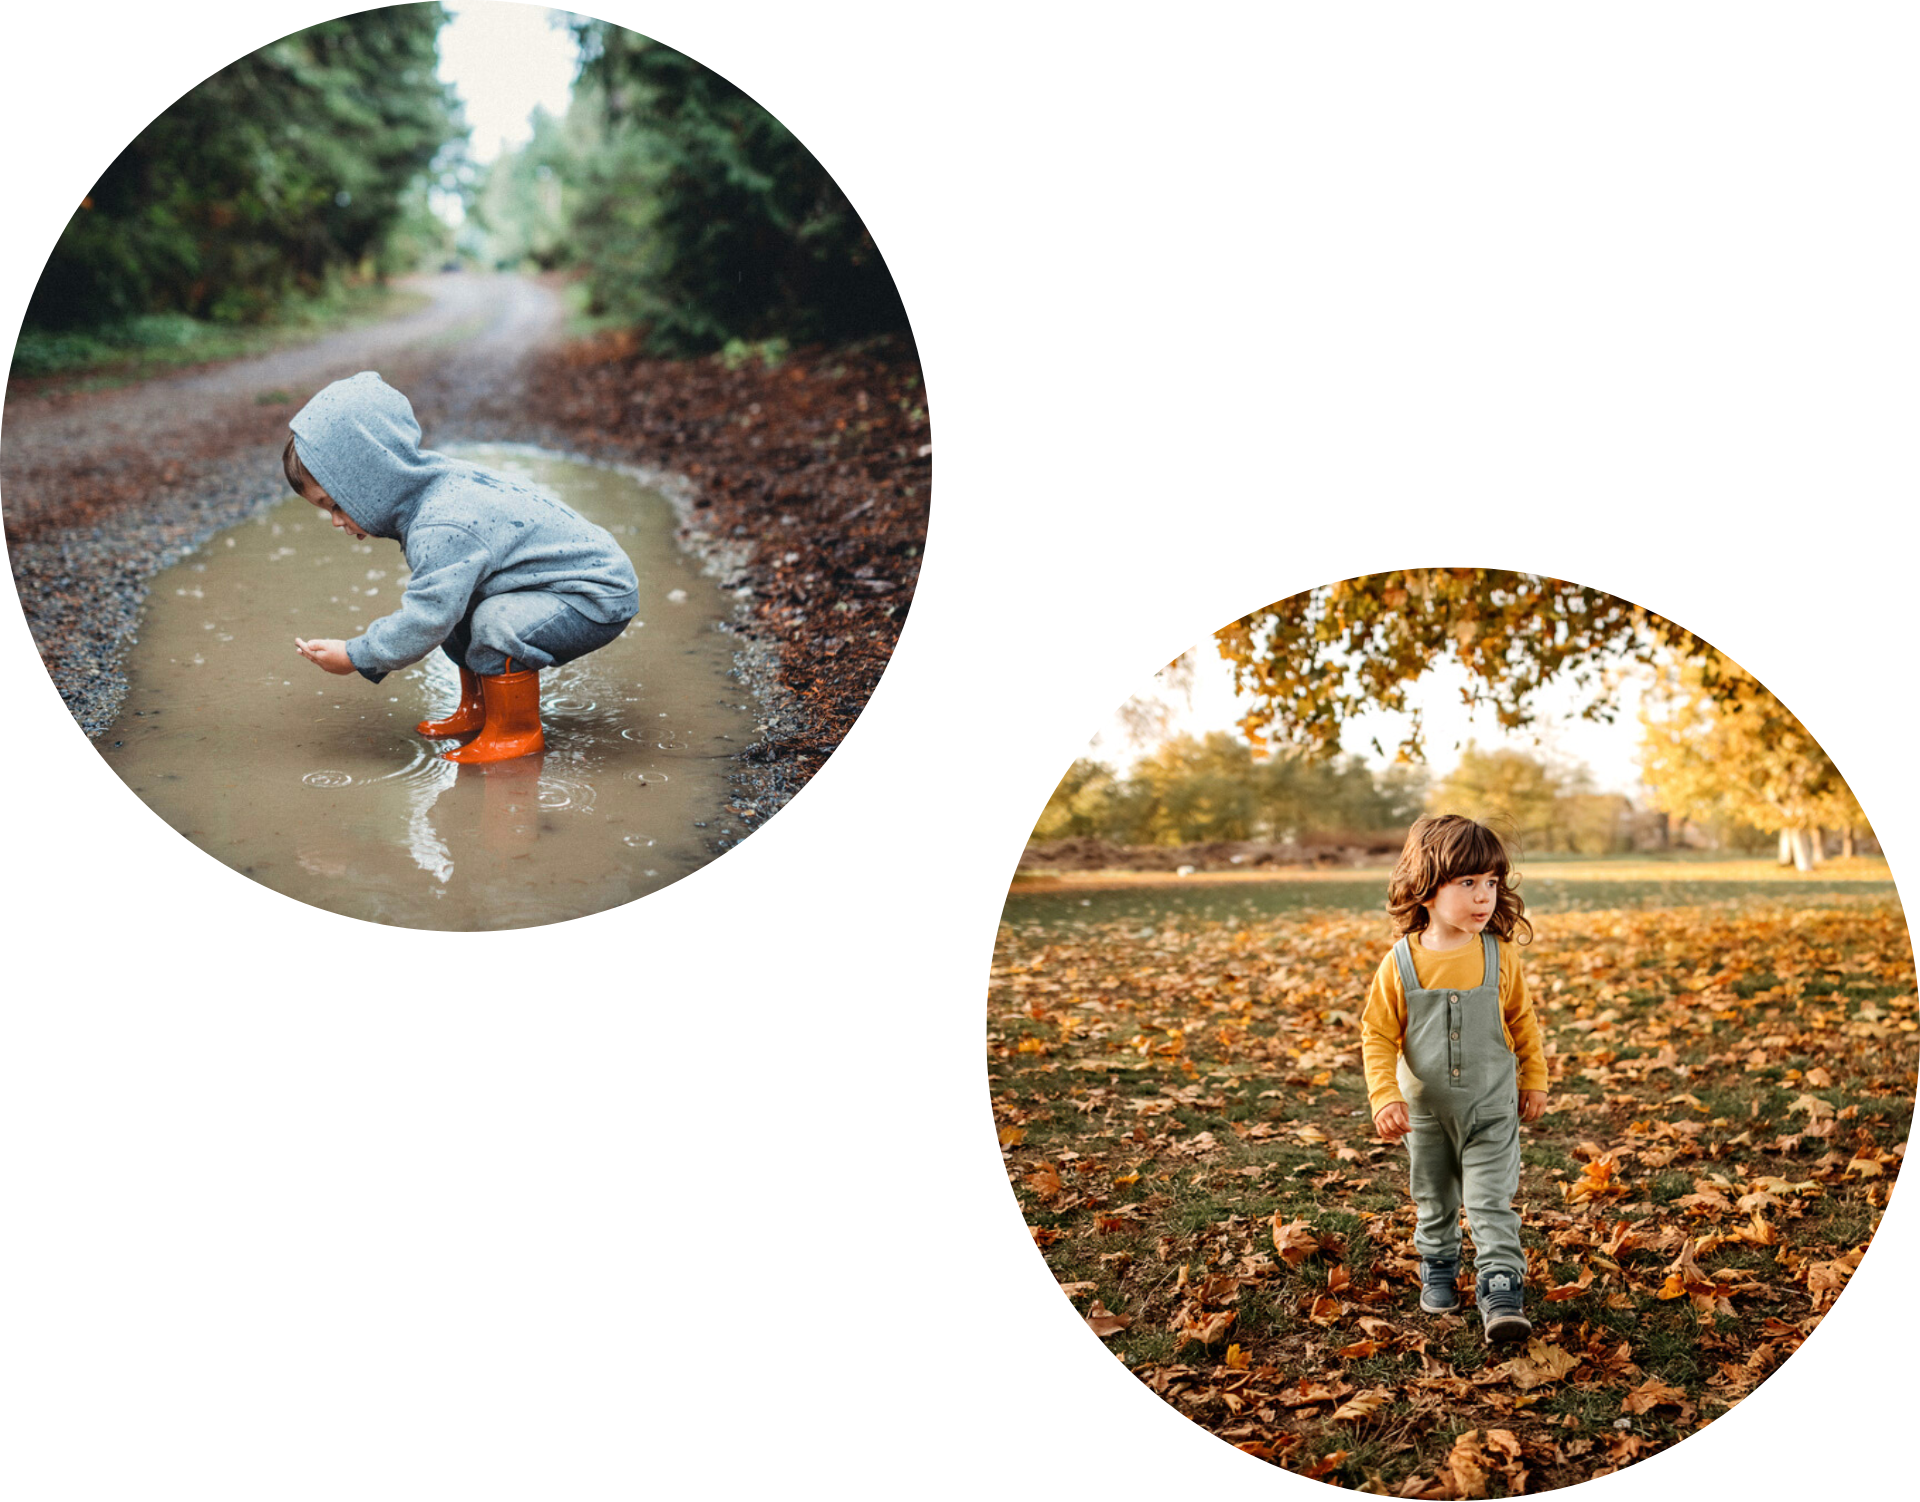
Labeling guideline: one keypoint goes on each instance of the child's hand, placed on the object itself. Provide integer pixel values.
(1393, 1123)
(324, 652)
(1533, 1104)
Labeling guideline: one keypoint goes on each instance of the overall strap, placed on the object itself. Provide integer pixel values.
(1490, 952)
(1403, 957)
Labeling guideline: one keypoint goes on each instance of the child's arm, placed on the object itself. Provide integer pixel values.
(325, 652)
(1529, 1043)
(1383, 1028)
(451, 563)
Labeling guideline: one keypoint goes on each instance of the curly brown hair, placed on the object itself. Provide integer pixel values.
(1440, 848)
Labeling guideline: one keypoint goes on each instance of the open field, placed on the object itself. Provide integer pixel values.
(1549, 886)
(1185, 1126)
(1538, 870)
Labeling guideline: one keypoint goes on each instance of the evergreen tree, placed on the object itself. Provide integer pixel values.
(701, 217)
(292, 164)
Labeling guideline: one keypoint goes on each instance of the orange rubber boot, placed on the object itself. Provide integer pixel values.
(513, 719)
(466, 719)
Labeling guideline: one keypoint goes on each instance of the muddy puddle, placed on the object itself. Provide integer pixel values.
(318, 787)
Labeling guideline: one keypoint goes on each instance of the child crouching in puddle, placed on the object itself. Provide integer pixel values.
(506, 580)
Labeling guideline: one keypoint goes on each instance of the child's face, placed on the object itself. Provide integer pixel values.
(1465, 903)
(312, 491)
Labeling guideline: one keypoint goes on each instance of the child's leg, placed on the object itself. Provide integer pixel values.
(1490, 1176)
(1433, 1177)
(536, 628)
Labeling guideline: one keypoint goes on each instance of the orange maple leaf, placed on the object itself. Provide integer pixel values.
(1294, 1240)
(1652, 1394)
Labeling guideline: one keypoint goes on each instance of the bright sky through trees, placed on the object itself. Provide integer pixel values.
(1609, 751)
(505, 60)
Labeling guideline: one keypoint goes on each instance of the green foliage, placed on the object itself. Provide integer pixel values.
(701, 217)
(1546, 808)
(521, 205)
(1215, 788)
(290, 165)
(132, 348)
(738, 352)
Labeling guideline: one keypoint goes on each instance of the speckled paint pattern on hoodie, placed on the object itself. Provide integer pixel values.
(467, 532)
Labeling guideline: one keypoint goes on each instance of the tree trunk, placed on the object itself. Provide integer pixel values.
(1802, 839)
(1846, 842)
(1786, 848)
(1818, 842)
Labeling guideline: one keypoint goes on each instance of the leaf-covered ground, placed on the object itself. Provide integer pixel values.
(1185, 1125)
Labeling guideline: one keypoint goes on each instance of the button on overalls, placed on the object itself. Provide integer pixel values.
(1463, 1098)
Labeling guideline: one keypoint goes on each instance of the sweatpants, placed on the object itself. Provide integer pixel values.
(536, 628)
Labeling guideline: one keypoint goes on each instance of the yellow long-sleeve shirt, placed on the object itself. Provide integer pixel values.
(1383, 1025)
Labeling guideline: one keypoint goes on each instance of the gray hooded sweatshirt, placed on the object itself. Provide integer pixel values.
(467, 532)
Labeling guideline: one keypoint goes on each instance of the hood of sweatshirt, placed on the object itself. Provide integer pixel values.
(360, 440)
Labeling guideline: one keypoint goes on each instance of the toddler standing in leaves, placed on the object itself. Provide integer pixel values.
(1455, 1062)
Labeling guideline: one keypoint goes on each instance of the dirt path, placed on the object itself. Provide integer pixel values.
(68, 457)
(807, 484)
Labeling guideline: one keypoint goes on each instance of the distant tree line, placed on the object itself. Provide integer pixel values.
(297, 163)
(1190, 790)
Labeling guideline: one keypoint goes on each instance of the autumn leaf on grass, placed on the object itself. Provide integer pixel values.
(1596, 1180)
(1686, 1280)
(1012, 1136)
(1826, 1279)
(1359, 1350)
(1542, 1362)
(1466, 1464)
(1044, 1181)
(1813, 1105)
(1706, 1199)
(1571, 1290)
(1103, 1323)
(1205, 1327)
(1294, 1240)
(1306, 1391)
(1325, 1465)
(1237, 1359)
(1652, 1394)
(1767, 1183)
(1363, 1405)
(1504, 1446)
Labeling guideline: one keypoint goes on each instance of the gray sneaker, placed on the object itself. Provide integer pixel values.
(1499, 1296)
(1438, 1295)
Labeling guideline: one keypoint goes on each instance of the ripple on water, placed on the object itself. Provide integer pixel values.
(565, 792)
(328, 779)
(639, 775)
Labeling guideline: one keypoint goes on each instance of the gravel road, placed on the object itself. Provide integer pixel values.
(804, 488)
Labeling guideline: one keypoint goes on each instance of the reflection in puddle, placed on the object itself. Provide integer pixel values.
(317, 786)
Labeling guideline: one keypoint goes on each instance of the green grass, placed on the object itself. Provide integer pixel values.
(1258, 1067)
(136, 348)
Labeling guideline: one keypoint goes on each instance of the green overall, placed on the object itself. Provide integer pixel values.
(1463, 1097)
